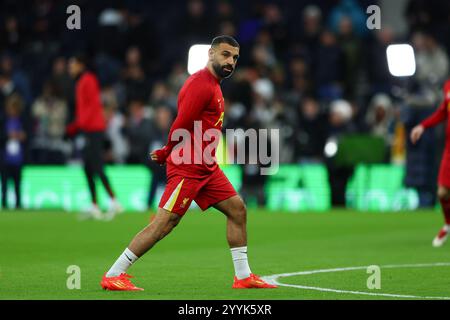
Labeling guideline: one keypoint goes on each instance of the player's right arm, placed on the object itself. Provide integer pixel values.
(196, 97)
(437, 117)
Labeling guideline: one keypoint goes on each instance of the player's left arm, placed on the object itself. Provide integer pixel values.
(190, 108)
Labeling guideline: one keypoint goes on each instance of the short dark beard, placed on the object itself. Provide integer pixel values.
(218, 69)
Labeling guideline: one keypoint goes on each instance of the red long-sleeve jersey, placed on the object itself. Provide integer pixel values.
(89, 116)
(200, 99)
(441, 112)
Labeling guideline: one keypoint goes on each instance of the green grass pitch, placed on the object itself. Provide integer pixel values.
(194, 262)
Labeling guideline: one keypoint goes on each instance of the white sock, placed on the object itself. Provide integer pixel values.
(125, 260)
(447, 227)
(240, 261)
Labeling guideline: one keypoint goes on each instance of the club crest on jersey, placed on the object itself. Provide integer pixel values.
(185, 201)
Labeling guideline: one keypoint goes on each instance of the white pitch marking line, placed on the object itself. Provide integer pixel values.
(274, 279)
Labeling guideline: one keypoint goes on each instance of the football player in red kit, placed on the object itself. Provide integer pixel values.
(437, 117)
(90, 123)
(197, 177)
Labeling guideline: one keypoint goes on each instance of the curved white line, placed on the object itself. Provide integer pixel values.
(274, 280)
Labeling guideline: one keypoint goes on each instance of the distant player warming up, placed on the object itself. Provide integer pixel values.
(444, 171)
(200, 99)
(90, 123)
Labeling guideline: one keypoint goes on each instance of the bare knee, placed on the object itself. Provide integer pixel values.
(162, 225)
(169, 226)
(443, 193)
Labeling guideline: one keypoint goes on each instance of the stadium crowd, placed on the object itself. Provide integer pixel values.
(310, 68)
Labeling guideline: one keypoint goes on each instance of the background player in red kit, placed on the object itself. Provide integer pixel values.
(444, 171)
(201, 100)
(90, 123)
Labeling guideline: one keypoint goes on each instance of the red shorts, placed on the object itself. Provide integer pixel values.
(444, 169)
(180, 191)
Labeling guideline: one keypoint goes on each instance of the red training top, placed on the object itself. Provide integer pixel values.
(441, 113)
(89, 115)
(200, 99)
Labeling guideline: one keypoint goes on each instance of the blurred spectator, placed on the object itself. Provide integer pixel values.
(11, 35)
(274, 23)
(253, 182)
(117, 146)
(351, 9)
(240, 95)
(161, 123)
(50, 116)
(141, 35)
(312, 27)
(340, 124)
(429, 15)
(311, 131)
(352, 52)
(7, 87)
(18, 77)
(163, 94)
(110, 39)
(226, 18)
(307, 35)
(380, 116)
(283, 119)
(432, 61)
(300, 80)
(329, 74)
(138, 131)
(61, 81)
(13, 151)
(225, 11)
(195, 25)
(227, 28)
(176, 79)
(263, 53)
(137, 85)
(133, 58)
(380, 119)
(376, 62)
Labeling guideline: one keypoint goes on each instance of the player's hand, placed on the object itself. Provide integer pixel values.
(71, 130)
(416, 133)
(160, 155)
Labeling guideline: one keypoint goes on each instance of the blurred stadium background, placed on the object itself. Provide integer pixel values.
(310, 68)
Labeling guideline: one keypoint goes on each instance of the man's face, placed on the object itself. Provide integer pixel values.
(224, 58)
(75, 67)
